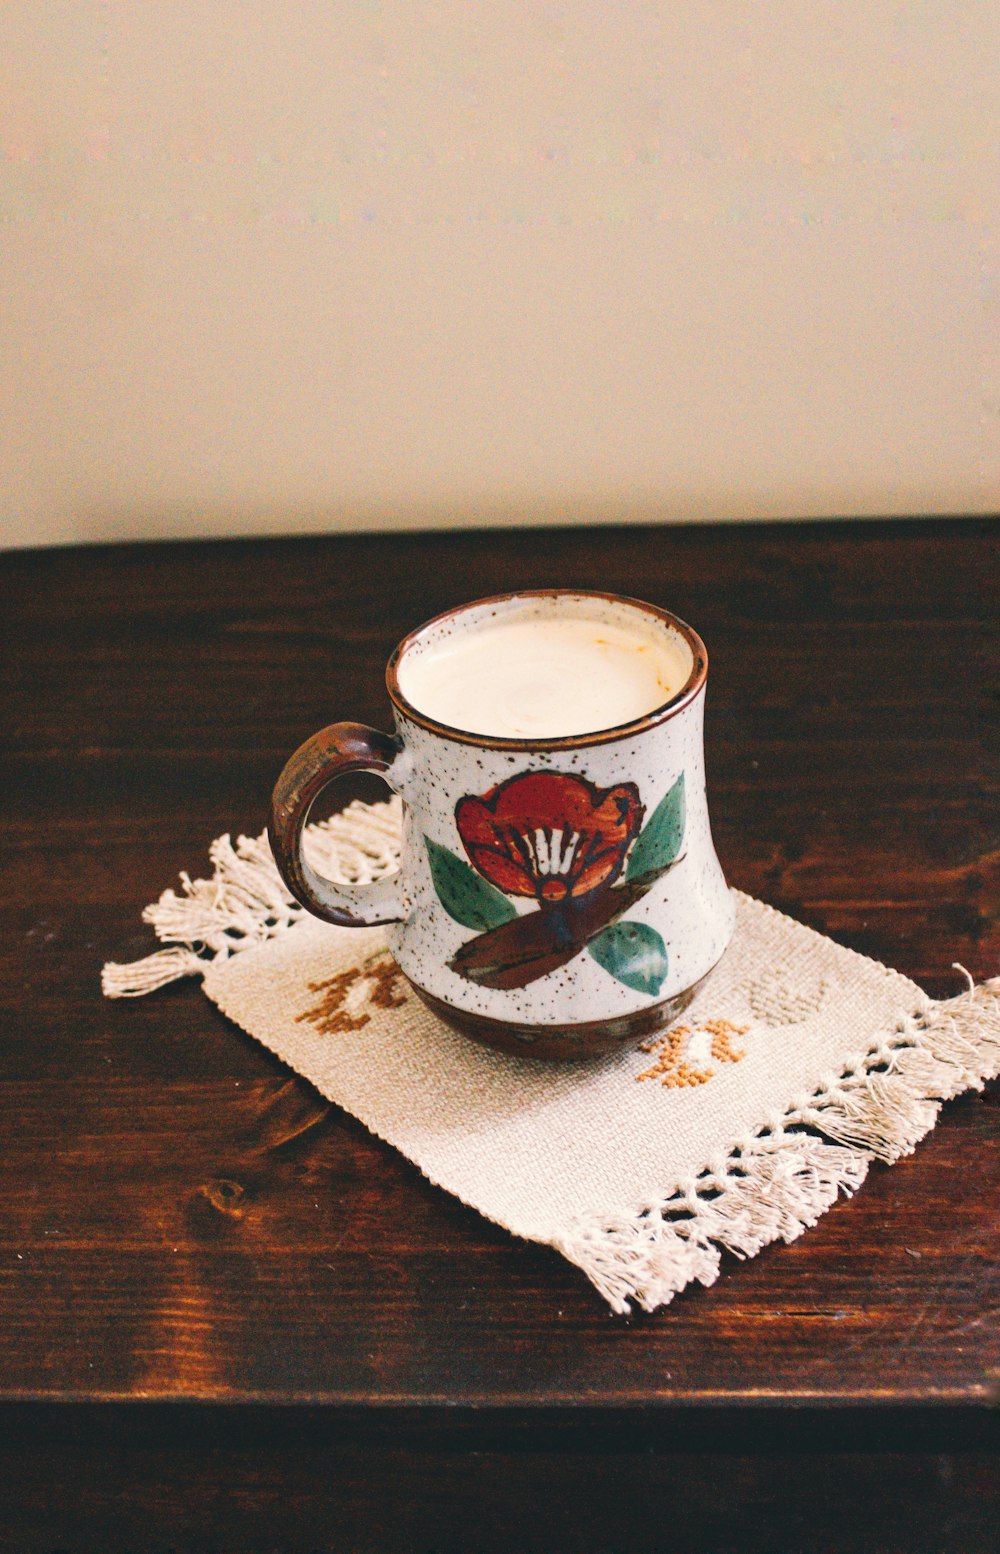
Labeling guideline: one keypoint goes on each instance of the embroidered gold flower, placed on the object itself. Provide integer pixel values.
(347, 997)
(678, 1051)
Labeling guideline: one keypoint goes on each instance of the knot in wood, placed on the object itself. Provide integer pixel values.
(225, 1195)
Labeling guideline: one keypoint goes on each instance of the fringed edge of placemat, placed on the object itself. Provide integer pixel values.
(777, 1183)
(246, 902)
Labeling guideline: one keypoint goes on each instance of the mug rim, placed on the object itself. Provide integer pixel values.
(694, 683)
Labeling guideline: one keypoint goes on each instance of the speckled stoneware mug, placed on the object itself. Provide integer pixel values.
(556, 897)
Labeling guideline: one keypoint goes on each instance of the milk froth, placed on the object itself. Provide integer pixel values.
(547, 677)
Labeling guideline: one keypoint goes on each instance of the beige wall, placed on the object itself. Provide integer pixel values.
(276, 266)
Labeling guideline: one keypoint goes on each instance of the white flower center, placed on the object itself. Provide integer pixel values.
(551, 851)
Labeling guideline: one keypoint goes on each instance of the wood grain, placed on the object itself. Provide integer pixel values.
(182, 1219)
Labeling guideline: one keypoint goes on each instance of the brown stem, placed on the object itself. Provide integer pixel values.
(530, 947)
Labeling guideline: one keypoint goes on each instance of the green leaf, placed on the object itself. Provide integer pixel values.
(660, 839)
(632, 952)
(464, 894)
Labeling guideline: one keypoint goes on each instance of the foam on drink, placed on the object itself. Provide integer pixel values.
(546, 677)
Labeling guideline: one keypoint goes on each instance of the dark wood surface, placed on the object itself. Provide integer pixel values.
(230, 1319)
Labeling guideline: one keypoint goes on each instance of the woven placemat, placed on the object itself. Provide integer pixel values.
(797, 1064)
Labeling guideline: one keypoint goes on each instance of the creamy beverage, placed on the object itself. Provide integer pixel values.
(546, 678)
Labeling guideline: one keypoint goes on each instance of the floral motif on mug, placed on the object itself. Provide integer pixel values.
(549, 835)
(558, 839)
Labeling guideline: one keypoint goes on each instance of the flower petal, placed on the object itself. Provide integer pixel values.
(605, 866)
(501, 870)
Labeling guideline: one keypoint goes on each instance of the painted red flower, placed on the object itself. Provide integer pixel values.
(549, 835)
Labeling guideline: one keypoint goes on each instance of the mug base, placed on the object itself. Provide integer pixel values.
(588, 1039)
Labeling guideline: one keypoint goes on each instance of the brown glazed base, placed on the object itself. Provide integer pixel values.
(591, 1039)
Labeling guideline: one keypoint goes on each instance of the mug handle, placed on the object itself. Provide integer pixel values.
(334, 751)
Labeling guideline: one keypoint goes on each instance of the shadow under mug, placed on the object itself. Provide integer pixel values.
(555, 897)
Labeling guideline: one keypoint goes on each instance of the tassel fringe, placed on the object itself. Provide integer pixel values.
(777, 1183)
(246, 902)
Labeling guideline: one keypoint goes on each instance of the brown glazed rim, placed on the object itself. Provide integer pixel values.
(688, 691)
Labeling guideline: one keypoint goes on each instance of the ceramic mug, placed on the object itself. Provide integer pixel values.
(499, 916)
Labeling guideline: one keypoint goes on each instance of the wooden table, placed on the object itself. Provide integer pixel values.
(231, 1320)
